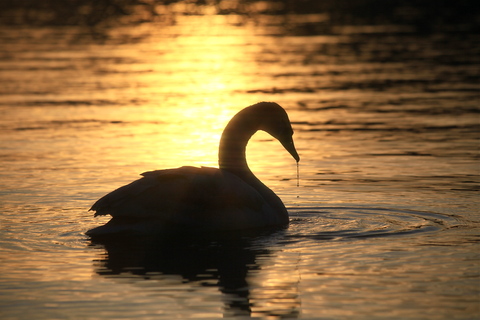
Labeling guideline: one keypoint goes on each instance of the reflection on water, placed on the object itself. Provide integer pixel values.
(237, 266)
(383, 96)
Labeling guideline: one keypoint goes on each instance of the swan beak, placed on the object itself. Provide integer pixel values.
(290, 147)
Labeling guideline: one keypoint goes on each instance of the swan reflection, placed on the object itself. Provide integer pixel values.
(234, 266)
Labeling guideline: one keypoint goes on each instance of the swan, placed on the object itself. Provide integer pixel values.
(219, 199)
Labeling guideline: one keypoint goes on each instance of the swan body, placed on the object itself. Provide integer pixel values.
(223, 199)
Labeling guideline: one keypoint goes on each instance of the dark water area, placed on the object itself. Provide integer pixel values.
(384, 101)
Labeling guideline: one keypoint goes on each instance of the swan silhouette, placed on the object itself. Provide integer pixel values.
(224, 199)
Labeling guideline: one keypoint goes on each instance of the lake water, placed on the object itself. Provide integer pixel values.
(384, 223)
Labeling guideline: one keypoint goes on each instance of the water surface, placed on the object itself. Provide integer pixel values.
(384, 223)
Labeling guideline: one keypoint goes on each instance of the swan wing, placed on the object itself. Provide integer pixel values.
(184, 195)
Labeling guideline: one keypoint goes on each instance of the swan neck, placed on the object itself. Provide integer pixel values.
(233, 144)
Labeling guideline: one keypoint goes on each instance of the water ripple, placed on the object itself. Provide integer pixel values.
(338, 223)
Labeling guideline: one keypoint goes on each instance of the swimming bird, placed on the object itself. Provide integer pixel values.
(219, 199)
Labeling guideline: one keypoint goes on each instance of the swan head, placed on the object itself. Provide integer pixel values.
(274, 120)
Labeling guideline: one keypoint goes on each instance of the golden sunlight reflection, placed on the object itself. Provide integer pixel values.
(211, 56)
(276, 288)
(199, 67)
